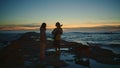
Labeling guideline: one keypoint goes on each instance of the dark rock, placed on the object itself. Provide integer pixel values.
(26, 48)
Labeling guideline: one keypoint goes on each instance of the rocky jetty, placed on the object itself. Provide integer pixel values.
(24, 53)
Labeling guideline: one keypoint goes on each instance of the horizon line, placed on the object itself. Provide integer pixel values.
(65, 27)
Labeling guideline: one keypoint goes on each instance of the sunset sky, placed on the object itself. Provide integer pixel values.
(29, 14)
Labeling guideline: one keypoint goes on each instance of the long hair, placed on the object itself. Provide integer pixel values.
(43, 26)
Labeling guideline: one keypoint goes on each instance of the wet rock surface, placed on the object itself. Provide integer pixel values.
(24, 53)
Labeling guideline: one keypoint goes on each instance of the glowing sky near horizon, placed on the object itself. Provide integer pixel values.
(71, 13)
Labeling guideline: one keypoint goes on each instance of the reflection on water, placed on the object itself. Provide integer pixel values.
(63, 58)
(78, 59)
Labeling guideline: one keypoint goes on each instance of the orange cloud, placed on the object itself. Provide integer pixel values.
(86, 25)
(17, 28)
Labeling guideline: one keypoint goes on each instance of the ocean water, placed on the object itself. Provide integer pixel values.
(80, 37)
(107, 40)
(104, 39)
(93, 37)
